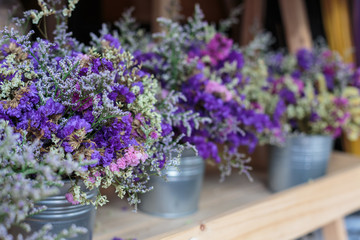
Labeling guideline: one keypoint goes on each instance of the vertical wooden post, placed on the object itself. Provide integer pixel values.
(337, 27)
(6, 12)
(161, 8)
(335, 230)
(253, 13)
(296, 24)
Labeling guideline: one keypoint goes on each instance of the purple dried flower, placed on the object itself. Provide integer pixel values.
(114, 42)
(305, 58)
(70, 198)
(218, 48)
(121, 93)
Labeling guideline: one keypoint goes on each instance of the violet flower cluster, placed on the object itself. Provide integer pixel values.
(253, 93)
(215, 90)
(314, 87)
(204, 65)
(171, 142)
(95, 103)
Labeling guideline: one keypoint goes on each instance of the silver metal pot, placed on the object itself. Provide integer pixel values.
(62, 214)
(303, 158)
(179, 195)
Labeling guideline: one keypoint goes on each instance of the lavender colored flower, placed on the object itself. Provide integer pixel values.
(20, 188)
(305, 58)
(218, 48)
(112, 40)
(311, 88)
(121, 93)
(217, 82)
(95, 104)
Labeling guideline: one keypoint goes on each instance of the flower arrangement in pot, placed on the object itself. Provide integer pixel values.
(175, 177)
(19, 192)
(311, 85)
(93, 105)
(199, 61)
(203, 65)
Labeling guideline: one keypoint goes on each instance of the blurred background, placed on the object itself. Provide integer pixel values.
(294, 24)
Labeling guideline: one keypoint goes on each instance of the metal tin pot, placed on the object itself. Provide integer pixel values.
(303, 158)
(179, 195)
(62, 214)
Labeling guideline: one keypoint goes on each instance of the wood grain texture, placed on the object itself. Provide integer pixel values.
(158, 9)
(117, 219)
(296, 24)
(335, 230)
(252, 20)
(162, 8)
(237, 209)
(286, 215)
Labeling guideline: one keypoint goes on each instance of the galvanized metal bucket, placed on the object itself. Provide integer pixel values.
(62, 214)
(179, 195)
(303, 158)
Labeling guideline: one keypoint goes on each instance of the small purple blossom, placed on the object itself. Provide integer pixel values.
(311, 91)
(218, 48)
(121, 93)
(154, 135)
(305, 58)
(114, 42)
(70, 199)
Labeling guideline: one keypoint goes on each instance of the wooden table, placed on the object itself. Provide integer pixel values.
(238, 209)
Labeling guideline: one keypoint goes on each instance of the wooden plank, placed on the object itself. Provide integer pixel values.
(117, 219)
(8, 10)
(337, 27)
(158, 9)
(252, 20)
(296, 24)
(335, 230)
(222, 200)
(4, 17)
(162, 8)
(342, 161)
(286, 215)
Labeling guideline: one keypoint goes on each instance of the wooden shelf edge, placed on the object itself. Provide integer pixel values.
(285, 215)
